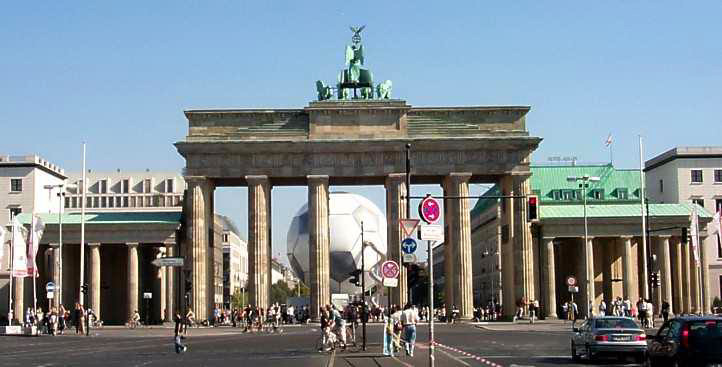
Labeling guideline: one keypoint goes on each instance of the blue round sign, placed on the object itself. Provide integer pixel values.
(408, 245)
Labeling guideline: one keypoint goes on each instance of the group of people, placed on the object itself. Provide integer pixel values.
(643, 310)
(56, 320)
(401, 329)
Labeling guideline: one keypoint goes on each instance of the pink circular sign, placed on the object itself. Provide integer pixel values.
(390, 269)
(429, 210)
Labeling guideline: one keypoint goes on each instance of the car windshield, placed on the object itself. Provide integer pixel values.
(620, 323)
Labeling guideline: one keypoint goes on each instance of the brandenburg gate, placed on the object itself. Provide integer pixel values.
(356, 139)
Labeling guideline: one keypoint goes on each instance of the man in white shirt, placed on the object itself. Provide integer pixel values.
(409, 318)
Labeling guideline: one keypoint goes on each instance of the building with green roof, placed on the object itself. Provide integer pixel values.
(614, 253)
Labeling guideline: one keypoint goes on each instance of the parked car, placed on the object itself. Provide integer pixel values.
(609, 335)
(687, 341)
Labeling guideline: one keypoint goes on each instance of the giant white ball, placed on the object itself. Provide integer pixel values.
(346, 212)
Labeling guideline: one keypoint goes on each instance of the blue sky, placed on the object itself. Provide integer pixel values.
(119, 74)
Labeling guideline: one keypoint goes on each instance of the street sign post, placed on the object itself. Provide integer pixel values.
(429, 210)
(408, 225)
(51, 295)
(168, 261)
(431, 232)
(573, 289)
(408, 245)
(390, 269)
(571, 281)
(391, 282)
(50, 287)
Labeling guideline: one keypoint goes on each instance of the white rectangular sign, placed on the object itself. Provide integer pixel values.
(391, 282)
(147, 295)
(409, 258)
(51, 295)
(431, 232)
(168, 261)
(573, 289)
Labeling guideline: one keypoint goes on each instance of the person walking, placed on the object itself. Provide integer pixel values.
(409, 319)
(665, 311)
(602, 308)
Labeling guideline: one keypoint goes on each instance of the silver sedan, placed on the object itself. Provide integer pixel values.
(609, 335)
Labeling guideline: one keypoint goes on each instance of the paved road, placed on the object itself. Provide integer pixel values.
(462, 345)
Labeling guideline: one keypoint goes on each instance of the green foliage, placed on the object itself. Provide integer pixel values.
(239, 299)
(717, 303)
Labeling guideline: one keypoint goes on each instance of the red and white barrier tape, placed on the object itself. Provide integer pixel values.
(477, 358)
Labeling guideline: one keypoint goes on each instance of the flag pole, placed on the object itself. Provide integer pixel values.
(12, 258)
(31, 235)
(82, 233)
(645, 283)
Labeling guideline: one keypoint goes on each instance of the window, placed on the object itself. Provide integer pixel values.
(557, 194)
(148, 201)
(111, 202)
(661, 185)
(132, 202)
(697, 176)
(598, 194)
(103, 186)
(622, 194)
(118, 201)
(75, 202)
(103, 202)
(96, 202)
(16, 184)
(125, 202)
(569, 194)
(699, 202)
(718, 176)
(169, 185)
(717, 204)
(67, 202)
(146, 186)
(125, 186)
(88, 202)
(15, 211)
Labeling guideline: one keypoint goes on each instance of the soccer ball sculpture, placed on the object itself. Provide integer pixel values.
(346, 212)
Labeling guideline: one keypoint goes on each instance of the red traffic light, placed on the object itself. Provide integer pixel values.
(532, 207)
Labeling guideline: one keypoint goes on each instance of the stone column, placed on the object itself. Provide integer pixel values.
(19, 299)
(665, 271)
(507, 248)
(459, 221)
(133, 285)
(55, 273)
(677, 276)
(200, 227)
(319, 243)
(655, 293)
(524, 283)
(259, 257)
(550, 293)
(170, 285)
(95, 278)
(587, 275)
(395, 210)
(450, 296)
(630, 289)
(686, 282)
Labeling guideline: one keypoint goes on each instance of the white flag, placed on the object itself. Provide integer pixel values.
(2, 242)
(717, 225)
(20, 260)
(608, 142)
(37, 228)
(694, 230)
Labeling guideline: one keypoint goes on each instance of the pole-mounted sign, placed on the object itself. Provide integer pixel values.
(429, 210)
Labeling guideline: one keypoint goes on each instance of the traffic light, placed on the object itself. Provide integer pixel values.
(189, 285)
(533, 207)
(355, 277)
(655, 280)
(685, 235)
(84, 288)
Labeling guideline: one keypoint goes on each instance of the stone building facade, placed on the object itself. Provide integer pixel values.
(686, 175)
(613, 257)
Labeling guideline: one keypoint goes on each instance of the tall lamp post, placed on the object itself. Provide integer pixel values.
(584, 185)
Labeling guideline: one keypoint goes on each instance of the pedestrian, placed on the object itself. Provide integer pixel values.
(602, 308)
(665, 311)
(61, 320)
(389, 337)
(189, 320)
(409, 319)
(565, 312)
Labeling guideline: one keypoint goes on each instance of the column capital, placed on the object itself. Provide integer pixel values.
(395, 177)
(548, 238)
(196, 180)
(94, 244)
(54, 245)
(626, 237)
(256, 179)
(132, 244)
(664, 236)
(317, 179)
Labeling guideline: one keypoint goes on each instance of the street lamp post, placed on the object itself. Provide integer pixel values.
(584, 185)
(363, 286)
(59, 257)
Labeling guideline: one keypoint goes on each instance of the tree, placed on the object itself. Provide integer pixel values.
(239, 298)
(280, 292)
(717, 305)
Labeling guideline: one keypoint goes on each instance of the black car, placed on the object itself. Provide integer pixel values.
(687, 341)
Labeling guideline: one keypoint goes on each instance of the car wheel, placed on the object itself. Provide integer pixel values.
(575, 356)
